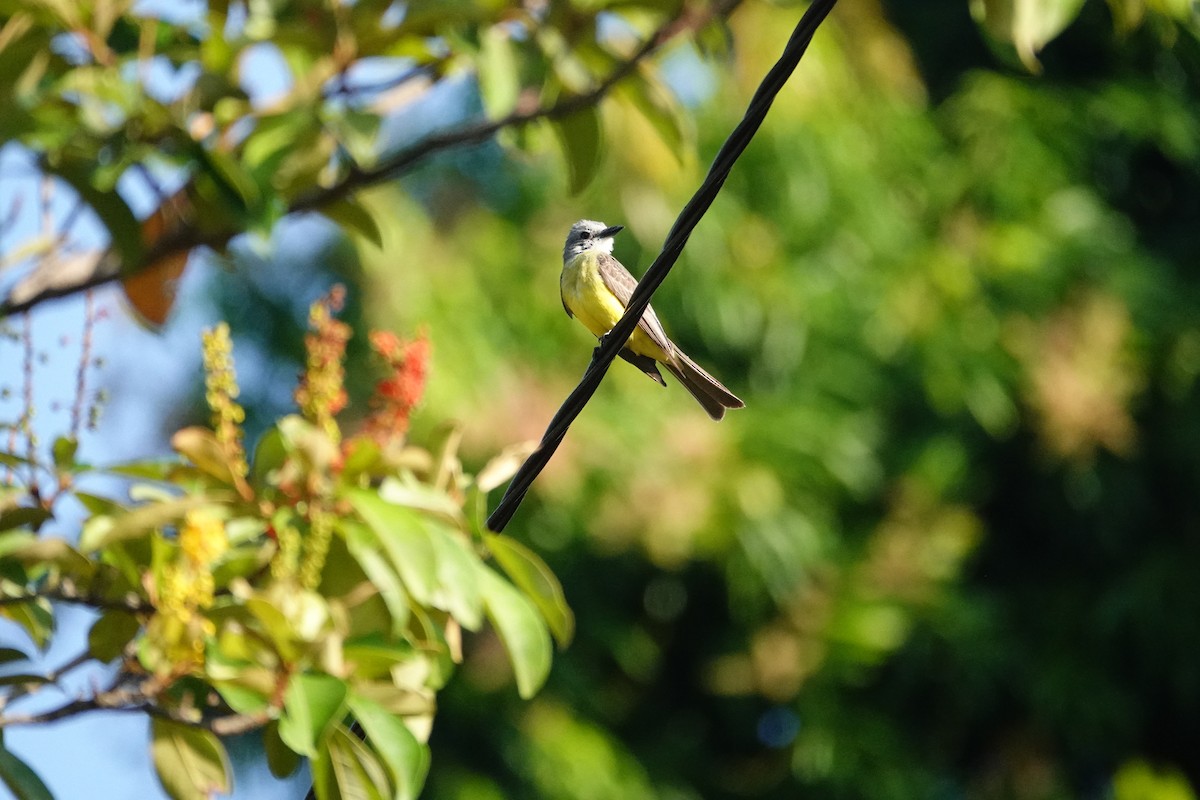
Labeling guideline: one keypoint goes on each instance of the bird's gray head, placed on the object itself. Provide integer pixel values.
(588, 234)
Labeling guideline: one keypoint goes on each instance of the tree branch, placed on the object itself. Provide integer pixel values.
(612, 342)
(190, 237)
(65, 593)
(136, 699)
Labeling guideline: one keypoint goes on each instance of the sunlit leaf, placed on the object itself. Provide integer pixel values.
(100, 532)
(35, 616)
(458, 569)
(661, 109)
(363, 545)
(200, 446)
(56, 553)
(532, 576)
(579, 136)
(419, 495)
(522, 630)
(191, 762)
(13, 541)
(311, 704)
(1029, 25)
(346, 769)
(504, 465)
(499, 77)
(405, 539)
(406, 759)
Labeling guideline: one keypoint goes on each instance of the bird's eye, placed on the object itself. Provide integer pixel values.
(585, 234)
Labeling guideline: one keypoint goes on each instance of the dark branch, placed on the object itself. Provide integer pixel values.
(358, 178)
(615, 339)
(136, 699)
(65, 593)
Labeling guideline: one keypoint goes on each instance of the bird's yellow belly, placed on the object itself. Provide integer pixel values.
(584, 292)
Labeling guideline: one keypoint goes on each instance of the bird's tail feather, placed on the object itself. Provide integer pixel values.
(707, 390)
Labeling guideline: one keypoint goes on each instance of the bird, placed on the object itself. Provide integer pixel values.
(595, 290)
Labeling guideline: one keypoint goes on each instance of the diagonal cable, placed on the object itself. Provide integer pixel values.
(612, 342)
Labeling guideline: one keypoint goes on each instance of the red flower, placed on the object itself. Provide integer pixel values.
(399, 393)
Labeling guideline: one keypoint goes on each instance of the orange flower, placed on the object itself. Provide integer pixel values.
(399, 393)
(321, 393)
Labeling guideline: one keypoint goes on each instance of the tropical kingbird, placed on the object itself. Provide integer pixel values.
(596, 288)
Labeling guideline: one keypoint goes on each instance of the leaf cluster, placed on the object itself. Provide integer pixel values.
(317, 591)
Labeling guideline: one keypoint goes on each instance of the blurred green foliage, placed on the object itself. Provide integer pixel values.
(948, 549)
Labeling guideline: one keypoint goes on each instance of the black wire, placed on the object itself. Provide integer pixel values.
(689, 217)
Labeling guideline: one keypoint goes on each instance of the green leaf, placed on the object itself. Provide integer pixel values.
(36, 617)
(521, 629)
(404, 537)
(358, 131)
(200, 446)
(14, 541)
(153, 470)
(374, 657)
(579, 137)
(22, 781)
(660, 108)
(311, 704)
(231, 177)
(125, 231)
(191, 762)
(347, 770)
(100, 532)
(458, 568)
(111, 633)
(269, 455)
(10, 654)
(406, 759)
(354, 216)
(24, 517)
(362, 545)
(281, 759)
(499, 77)
(1029, 25)
(53, 553)
(17, 679)
(13, 460)
(64, 450)
(534, 578)
(420, 496)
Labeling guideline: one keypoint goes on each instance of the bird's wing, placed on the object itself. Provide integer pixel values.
(566, 307)
(621, 284)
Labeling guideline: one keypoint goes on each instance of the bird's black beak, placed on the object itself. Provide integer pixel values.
(608, 232)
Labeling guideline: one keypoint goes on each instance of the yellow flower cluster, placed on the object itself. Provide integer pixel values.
(322, 393)
(179, 629)
(221, 391)
(316, 547)
(203, 538)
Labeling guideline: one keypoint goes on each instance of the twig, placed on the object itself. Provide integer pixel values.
(135, 699)
(51, 677)
(131, 603)
(85, 357)
(612, 342)
(356, 178)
